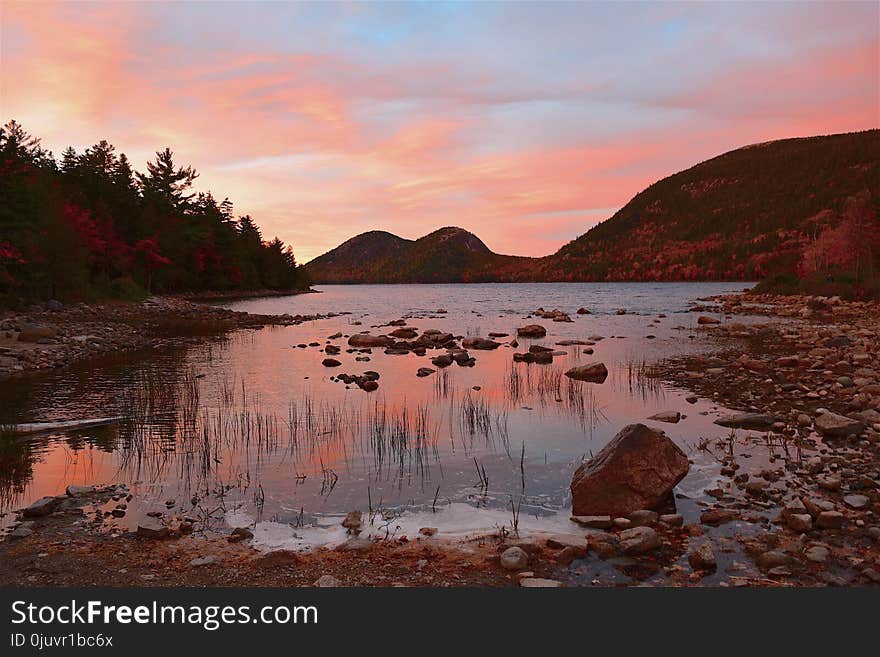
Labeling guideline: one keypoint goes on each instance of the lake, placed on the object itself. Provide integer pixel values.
(251, 429)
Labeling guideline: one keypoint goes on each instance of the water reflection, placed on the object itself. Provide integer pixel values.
(255, 422)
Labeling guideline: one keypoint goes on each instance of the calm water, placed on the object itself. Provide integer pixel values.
(251, 428)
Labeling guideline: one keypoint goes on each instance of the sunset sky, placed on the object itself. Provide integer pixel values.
(525, 123)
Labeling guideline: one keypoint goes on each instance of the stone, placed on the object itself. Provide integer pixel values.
(672, 417)
(531, 331)
(591, 372)
(799, 522)
(36, 332)
(817, 553)
(327, 582)
(593, 522)
(23, 530)
(772, 559)
(830, 520)
(77, 491)
(514, 558)
(330, 362)
(428, 531)
(705, 319)
(856, 501)
(755, 421)
(562, 541)
(672, 519)
(353, 522)
(443, 360)
(638, 469)
(638, 540)
(701, 556)
(480, 343)
(837, 426)
(425, 371)
(366, 341)
(356, 545)
(209, 560)
(42, 507)
(152, 528)
(643, 517)
(240, 534)
(715, 517)
(539, 583)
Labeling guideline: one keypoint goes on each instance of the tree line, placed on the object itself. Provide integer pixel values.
(88, 226)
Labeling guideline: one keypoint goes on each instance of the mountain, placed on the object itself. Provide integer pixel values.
(743, 215)
(448, 255)
(788, 209)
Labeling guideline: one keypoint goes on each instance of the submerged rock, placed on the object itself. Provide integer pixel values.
(636, 470)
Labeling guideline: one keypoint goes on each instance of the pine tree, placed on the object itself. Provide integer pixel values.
(166, 184)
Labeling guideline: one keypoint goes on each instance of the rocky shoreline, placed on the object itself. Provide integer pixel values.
(53, 335)
(796, 504)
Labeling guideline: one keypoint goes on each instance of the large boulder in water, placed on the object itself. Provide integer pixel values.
(637, 470)
(592, 372)
(364, 340)
(531, 331)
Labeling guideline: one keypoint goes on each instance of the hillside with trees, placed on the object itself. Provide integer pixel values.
(799, 214)
(88, 226)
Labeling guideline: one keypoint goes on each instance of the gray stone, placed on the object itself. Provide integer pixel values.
(817, 553)
(514, 558)
(672, 417)
(42, 507)
(327, 581)
(830, 520)
(834, 425)
(77, 491)
(208, 560)
(152, 528)
(857, 501)
(755, 421)
(800, 522)
(643, 517)
(593, 522)
(638, 540)
(539, 583)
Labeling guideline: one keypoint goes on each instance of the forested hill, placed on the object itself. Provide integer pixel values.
(87, 226)
(447, 255)
(799, 214)
(793, 209)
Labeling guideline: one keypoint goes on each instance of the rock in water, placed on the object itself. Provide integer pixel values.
(636, 470)
(672, 417)
(42, 507)
(479, 343)
(638, 540)
(701, 556)
(531, 331)
(756, 421)
(364, 341)
(592, 372)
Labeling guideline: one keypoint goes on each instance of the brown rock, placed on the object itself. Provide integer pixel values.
(637, 470)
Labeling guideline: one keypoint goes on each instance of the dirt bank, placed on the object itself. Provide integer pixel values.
(54, 335)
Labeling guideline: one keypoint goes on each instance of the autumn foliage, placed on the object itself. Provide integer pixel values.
(88, 226)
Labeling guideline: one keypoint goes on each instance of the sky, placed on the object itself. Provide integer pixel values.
(526, 123)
